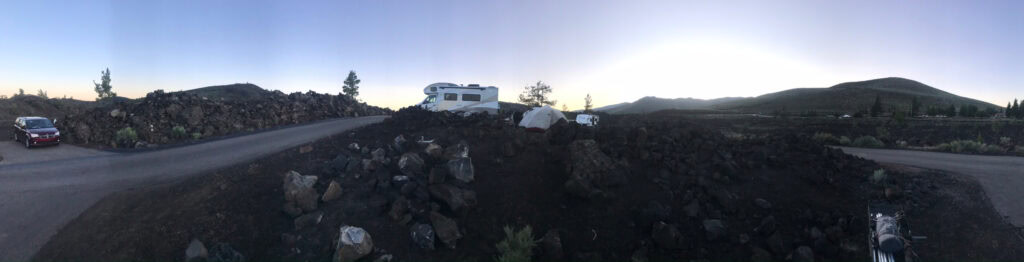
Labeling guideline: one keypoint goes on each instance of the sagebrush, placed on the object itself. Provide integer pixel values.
(517, 246)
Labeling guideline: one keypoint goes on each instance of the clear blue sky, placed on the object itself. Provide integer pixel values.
(617, 50)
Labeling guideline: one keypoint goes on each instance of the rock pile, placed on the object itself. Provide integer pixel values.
(162, 118)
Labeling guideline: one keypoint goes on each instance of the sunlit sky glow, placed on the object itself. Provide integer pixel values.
(618, 51)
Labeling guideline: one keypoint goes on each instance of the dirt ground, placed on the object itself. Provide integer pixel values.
(520, 180)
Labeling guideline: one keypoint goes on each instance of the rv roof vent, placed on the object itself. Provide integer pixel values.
(433, 89)
(475, 85)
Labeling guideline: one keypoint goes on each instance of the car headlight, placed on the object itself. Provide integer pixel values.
(33, 134)
(56, 133)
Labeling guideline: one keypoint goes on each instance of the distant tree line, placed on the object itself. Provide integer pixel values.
(1014, 110)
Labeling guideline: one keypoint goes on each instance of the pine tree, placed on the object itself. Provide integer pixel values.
(536, 95)
(587, 104)
(1006, 111)
(1016, 113)
(103, 88)
(351, 87)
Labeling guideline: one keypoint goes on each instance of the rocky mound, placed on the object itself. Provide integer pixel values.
(633, 189)
(162, 118)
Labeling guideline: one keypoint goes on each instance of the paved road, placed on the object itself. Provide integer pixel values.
(14, 153)
(38, 198)
(1002, 177)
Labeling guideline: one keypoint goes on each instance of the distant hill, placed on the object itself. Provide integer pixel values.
(852, 97)
(652, 104)
(230, 92)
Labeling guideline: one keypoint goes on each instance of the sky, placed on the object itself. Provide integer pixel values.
(617, 51)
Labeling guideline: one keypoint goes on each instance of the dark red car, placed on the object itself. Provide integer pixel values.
(35, 131)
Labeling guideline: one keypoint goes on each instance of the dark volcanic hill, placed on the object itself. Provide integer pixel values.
(652, 104)
(853, 96)
(239, 91)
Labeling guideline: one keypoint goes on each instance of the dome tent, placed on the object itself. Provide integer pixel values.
(540, 118)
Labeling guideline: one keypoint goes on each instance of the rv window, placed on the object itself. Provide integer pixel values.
(429, 100)
(451, 97)
(470, 97)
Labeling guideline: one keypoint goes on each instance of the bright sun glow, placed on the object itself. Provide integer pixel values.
(703, 69)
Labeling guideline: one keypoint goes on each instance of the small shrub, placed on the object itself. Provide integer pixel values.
(883, 132)
(178, 132)
(879, 176)
(517, 246)
(844, 140)
(901, 143)
(196, 135)
(968, 146)
(126, 137)
(825, 138)
(1019, 149)
(1006, 141)
(868, 141)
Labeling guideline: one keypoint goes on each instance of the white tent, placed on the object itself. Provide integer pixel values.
(541, 117)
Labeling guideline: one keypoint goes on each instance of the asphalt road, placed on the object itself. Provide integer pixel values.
(1002, 177)
(38, 198)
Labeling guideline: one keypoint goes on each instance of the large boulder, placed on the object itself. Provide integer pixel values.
(410, 164)
(457, 199)
(447, 229)
(423, 236)
(196, 251)
(222, 252)
(461, 168)
(333, 192)
(299, 191)
(353, 243)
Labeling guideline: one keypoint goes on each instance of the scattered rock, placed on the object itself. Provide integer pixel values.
(461, 169)
(333, 192)
(692, 209)
(456, 199)
(434, 150)
(298, 189)
(291, 209)
(551, 246)
(763, 203)
(666, 236)
(446, 228)
(222, 252)
(760, 255)
(400, 211)
(423, 236)
(399, 143)
(437, 175)
(307, 220)
(714, 229)
(379, 155)
(353, 146)
(196, 251)
(353, 243)
(306, 149)
(459, 150)
(803, 254)
(410, 164)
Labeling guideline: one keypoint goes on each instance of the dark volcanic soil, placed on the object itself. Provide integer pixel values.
(672, 171)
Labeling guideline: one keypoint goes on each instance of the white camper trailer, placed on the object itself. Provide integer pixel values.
(471, 98)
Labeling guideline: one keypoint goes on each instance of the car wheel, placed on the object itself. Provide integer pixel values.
(26, 143)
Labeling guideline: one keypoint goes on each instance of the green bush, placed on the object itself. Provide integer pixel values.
(178, 132)
(196, 135)
(126, 137)
(879, 176)
(1006, 141)
(517, 246)
(868, 141)
(844, 140)
(968, 146)
(825, 138)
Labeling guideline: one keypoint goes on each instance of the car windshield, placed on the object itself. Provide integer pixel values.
(38, 123)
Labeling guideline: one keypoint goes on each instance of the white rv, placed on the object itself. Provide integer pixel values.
(471, 98)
